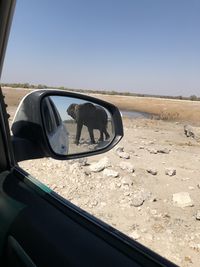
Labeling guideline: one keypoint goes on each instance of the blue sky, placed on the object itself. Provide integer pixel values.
(141, 46)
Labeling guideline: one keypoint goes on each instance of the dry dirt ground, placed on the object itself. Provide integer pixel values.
(151, 192)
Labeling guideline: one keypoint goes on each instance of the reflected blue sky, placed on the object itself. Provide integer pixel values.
(62, 103)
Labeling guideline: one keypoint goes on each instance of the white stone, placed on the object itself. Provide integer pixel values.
(124, 155)
(152, 151)
(195, 246)
(100, 165)
(170, 171)
(127, 166)
(127, 181)
(110, 173)
(152, 171)
(119, 149)
(182, 200)
(121, 153)
(139, 197)
(135, 235)
(198, 215)
(191, 187)
(118, 185)
(137, 200)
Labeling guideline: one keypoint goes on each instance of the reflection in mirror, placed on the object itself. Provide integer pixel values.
(74, 126)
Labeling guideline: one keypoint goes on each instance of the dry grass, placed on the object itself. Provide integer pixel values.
(13, 96)
(164, 109)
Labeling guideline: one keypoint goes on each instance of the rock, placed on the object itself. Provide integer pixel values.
(195, 246)
(153, 199)
(158, 227)
(182, 200)
(127, 166)
(81, 161)
(152, 150)
(151, 142)
(160, 150)
(152, 171)
(191, 188)
(153, 212)
(193, 132)
(145, 194)
(137, 201)
(139, 197)
(94, 203)
(125, 187)
(188, 130)
(119, 148)
(118, 185)
(141, 147)
(198, 215)
(124, 155)
(61, 186)
(163, 150)
(121, 153)
(170, 171)
(127, 181)
(110, 173)
(135, 235)
(100, 165)
(87, 173)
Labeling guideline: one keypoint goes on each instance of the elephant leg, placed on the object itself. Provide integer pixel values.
(106, 134)
(101, 136)
(78, 132)
(90, 130)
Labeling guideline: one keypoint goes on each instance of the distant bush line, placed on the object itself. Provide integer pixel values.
(104, 92)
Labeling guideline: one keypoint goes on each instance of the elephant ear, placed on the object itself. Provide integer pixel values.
(77, 111)
(72, 111)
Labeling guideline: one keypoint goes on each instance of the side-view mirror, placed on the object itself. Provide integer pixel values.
(64, 125)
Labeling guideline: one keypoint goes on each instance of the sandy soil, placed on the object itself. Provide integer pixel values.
(140, 203)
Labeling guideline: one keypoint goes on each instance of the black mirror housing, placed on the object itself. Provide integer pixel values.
(29, 129)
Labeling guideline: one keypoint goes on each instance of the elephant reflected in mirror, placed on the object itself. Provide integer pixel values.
(92, 116)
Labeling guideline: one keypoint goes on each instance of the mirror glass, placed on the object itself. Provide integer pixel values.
(74, 125)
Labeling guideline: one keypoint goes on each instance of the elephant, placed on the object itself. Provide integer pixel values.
(92, 116)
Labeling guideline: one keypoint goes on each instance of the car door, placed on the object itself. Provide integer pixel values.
(40, 228)
(57, 132)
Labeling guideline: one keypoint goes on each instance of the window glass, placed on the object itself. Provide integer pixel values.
(144, 57)
(55, 113)
(49, 119)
